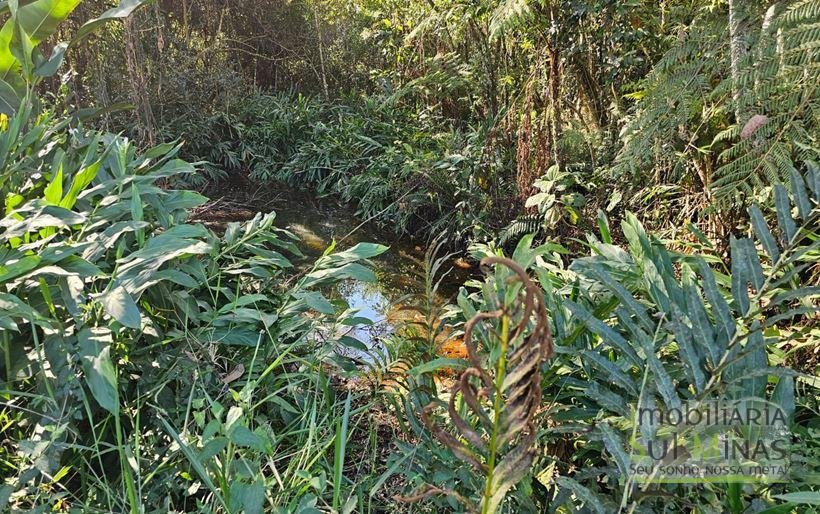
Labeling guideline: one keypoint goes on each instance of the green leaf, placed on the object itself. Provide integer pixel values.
(801, 497)
(784, 214)
(195, 463)
(121, 307)
(591, 501)
(724, 321)
(437, 364)
(249, 498)
(212, 448)
(609, 336)
(80, 181)
(763, 233)
(615, 447)
(244, 437)
(616, 374)
(41, 18)
(783, 395)
(801, 197)
(340, 444)
(53, 193)
(600, 273)
(123, 10)
(48, 67)
(317, 302)
(740, 276)
(353, 271)
(10, 98)
(359, 252)
(22, 48)
(603, 227)
(137, 213)
(45, 217)
(702, 329)
(17, 267)
(37, 21)
(100, 374)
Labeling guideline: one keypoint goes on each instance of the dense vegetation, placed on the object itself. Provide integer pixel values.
(635, 184)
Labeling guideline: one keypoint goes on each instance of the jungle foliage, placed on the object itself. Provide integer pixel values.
(154, 363)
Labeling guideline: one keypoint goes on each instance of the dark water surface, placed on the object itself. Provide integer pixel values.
(319, 221)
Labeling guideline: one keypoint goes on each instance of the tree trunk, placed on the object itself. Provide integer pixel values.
(555, 103)
(738, 41)
(135, 64)
(319, 37)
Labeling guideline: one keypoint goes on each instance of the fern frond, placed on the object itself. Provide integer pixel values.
(507, 15)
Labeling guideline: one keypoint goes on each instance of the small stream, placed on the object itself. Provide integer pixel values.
(318, 221)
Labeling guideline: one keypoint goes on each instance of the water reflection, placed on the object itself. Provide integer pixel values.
(317, 222)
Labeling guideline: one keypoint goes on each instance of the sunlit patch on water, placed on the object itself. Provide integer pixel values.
(382, 305)
(308, 237)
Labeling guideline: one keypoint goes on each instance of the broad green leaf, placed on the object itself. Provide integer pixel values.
(801, 197)
(801, 497)
(13, 268)
(724, 321)
(244, 437)
(783, 395)
(100, 373)
(663, 381)
(600, 273)
(437, 364)
(195, 463)
(123, 10)
(359, 252)
(353, 271)
(317, 302)
(41, 18)
(763, 233)
(53, 193)
(609, 336)
(46, 217)
(14, 307)
(22, 48)
(80, 181)
(137, 213)
(121, 307)
(607, 398)
(702, 329)
(616, 374)
(10, 97)
(784, 214)
(615, 447)
(212, 448)
(249, 498)
(48, 67)
(741, 275)
(590, 499)
(603, 227)
(37, 20)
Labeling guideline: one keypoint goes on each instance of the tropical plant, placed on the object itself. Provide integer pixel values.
(660, 338)
(727, 136)
(22, 63)
(508, 394)
(102, 276)
(649, 328)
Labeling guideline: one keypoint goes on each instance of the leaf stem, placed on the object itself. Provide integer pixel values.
(497, 405)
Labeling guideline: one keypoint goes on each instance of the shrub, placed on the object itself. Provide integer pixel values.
(142, 352)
